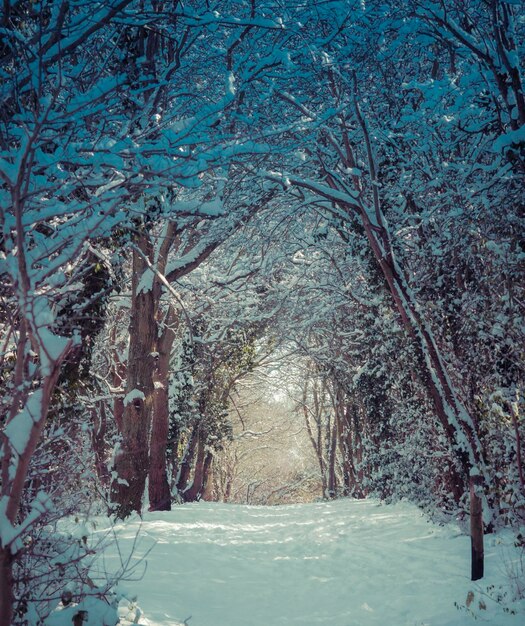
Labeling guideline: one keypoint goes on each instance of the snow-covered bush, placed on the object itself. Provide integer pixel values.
(62, 570)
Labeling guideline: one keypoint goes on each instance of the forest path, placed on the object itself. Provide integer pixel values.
(341, 563)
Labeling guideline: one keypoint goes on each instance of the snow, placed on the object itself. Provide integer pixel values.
(230, 83)
(512, 137)
(146, 281)
(340, 563)
(134, 394)
(18, 430)
(104, 614)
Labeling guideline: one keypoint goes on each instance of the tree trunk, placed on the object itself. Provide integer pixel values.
(358, 451)
(205, 489)
(158, 486)
(346, 447)
(208, 487)
(332, 438)
(186, 461)
(131, 461)
(513, 407)
(13, 484)
(316, 445)
(6, 587)
(193, 493)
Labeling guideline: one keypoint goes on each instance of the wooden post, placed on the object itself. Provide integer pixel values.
(476, 528)
(79, 618)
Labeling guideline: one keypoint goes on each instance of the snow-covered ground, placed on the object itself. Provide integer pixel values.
(341, 563)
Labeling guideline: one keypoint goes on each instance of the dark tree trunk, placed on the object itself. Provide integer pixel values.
(208, 487)
(346, 447)
(515, 422)
(158, 486)
(206, 474)
(6, 587)
(194, 492)
(317, 446)
(332, 438)
(358, 453)
(131, 462)
(186, 461)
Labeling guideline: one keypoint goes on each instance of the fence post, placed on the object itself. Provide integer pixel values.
(476, 527)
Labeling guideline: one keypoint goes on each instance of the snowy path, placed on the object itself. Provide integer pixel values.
(344, 563)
